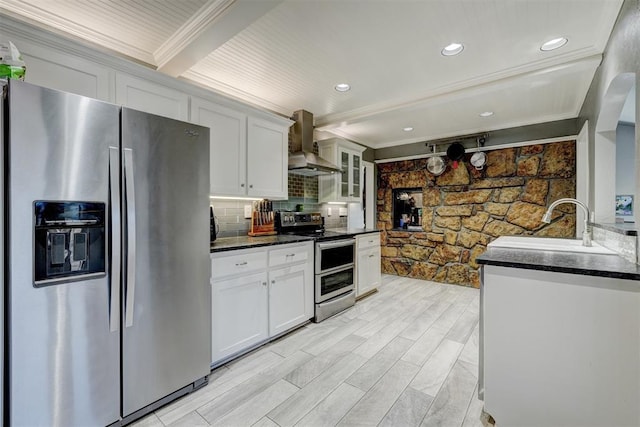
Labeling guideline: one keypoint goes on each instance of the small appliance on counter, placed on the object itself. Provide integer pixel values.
(334, 261)
(262, 218)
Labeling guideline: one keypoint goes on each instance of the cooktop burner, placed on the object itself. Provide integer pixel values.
(309, 224)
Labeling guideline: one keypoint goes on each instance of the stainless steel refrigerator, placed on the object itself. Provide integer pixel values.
(106, 257)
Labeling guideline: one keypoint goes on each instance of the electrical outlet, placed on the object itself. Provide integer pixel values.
(247, 211)
(328, 211)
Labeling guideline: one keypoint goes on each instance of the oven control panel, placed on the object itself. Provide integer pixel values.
(285, 219)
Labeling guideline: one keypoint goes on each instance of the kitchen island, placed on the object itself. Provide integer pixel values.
(560, 338)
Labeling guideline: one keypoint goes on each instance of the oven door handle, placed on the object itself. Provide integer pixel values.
(338, 269)
(335, 244)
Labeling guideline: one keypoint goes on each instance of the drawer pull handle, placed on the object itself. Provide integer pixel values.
(371, 256)
(264, 283)
(292, 255)
(273, 282)
(240, 264)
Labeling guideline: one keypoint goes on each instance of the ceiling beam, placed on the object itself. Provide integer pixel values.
(209, 28)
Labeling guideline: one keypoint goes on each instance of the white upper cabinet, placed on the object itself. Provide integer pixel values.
(249, 147)
(267, 157)
(150, 97)
(228, 152)
(346, 186)
(53, 69)
(248, 155)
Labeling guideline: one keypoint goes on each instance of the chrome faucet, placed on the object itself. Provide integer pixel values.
(586, 233)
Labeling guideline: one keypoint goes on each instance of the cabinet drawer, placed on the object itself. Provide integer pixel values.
(370, 240)
(290, 254)
(373, 253)
(239, 262)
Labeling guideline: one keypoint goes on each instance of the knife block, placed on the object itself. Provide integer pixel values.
(262, 223)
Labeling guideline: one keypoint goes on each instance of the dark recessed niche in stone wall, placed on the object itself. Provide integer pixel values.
(407, 209)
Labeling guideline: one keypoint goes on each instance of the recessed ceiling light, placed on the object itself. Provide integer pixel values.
(342, 87)
(452, 49)
(407, 129)
(486, 114)
(554, 44)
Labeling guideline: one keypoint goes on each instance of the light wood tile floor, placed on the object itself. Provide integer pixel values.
(404, 356)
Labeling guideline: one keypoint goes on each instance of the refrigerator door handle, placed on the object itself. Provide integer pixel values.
(116, 239)
(131, 236)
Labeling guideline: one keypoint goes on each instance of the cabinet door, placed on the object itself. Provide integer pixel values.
(350, 179)
(344, 187)
(239, 314)
(267, 157)
(350, 186)
(355, 177)
(228, 153)
(151, 98)
(63, 71)
(369, 271)
(290, 297)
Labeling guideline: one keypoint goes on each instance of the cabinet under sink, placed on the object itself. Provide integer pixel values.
(559, 348)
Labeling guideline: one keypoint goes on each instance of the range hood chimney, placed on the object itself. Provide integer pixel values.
(303, 161)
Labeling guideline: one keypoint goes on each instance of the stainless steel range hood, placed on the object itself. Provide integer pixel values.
(303, 161)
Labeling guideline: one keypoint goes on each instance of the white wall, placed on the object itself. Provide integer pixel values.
(613, 81)
(625, 159)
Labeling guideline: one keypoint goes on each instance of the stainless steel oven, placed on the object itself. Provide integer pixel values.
(334, 261)
(334, 287)
(334, 268)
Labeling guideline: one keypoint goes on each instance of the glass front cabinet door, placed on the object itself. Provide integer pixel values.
(344, 186)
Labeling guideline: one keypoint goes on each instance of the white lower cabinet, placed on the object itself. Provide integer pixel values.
(289, 299)
(368, 269)
(559, 348)
(258, 294)
(239, 314)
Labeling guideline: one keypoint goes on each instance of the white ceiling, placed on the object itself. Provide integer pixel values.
(284, 55)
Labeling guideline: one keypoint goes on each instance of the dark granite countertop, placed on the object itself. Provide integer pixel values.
(353, 231)
(562, 262)
(246, 242)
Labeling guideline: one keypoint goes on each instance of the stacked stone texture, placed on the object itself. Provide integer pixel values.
(464, 209)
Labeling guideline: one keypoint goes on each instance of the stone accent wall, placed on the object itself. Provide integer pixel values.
(464, 209)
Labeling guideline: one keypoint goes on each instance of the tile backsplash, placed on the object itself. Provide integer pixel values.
(231, 222)
(624, 245)
(230, 217)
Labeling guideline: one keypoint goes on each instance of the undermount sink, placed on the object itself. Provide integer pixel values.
(549, 244)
